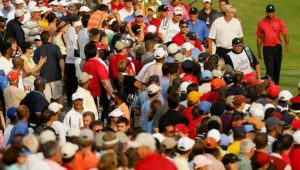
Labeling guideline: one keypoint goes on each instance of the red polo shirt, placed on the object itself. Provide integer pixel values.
(270, 31)
(113, 70)
(155, 161)
(155, 22)
(99, 73)
(294, 157)
(191, 78)
(187, 112)
(117, 6)
(192, 127)
(179, 39)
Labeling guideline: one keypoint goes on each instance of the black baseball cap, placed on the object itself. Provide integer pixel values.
(230, 158)
(163, 8)
(239, 132)
(191, 35)
(153, 79)
(194, 10)
(2, 19)
(237, 41)
(184, 21)
(94, 31)
(270, 8)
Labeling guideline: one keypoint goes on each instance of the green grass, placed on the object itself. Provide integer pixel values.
(250, 12)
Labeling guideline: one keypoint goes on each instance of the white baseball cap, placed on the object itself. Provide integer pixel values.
(159, 53)
(47, 136)
(143, 139)
(185, 144)
(257, 111)
(206, 1)
(87, 134)
(45, 9)
(187, 46)
(152, 29)
(214, 133)
(68, 150)
(183, 86)
(76, 96)
(153, 88)
(173, 48)
(178, 11)
(84, 9)
(152, 8)
(19, 12)
(285, 95)
(54, 3)
(116, 113)
(19, 1)
(36, 9)
(73, 132)
(296, 137)
(55, 107)
(159, 137)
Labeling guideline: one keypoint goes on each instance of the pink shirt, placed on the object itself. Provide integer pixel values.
(171, 10)
(54, 165)
(270, 31)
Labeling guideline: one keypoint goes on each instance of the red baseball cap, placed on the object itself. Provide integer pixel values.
(13, 75)
(239, 99)
(217, 83)
(273, 91)
(181, 128)
(252, 81)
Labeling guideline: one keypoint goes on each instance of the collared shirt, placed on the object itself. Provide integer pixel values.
(144, 69)
(51, 69)
(124, 13)
(54, 165)
(199, 28)
(71, 44)
(146, 125)
(4, 12)
(88, 101)
(34, 162)
(270, 31)
(73, 119)
(83, 39)
(154, 69)
(224, 32)
(168, 29)
(13, 96)
(14, 30)
(244, 163)
(20, 128)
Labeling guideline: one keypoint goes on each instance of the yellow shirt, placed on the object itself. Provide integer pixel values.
(234, 148)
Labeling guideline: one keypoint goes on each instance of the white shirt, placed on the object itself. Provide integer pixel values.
(7, 133)
(5, 65)
(88, 101)
(60, 130)
(168, 29)
(73, 119)
(224, 32)
(83, 39)
(71, 44)
(240, 62)
(33, 162)
(181, 163)
(123, 13)
(205, 88)
(143, 71)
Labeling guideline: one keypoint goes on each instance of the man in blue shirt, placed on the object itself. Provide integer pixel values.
(21, 128)
(197, 26)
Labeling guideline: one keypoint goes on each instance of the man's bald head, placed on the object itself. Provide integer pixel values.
(22, 111)
(39, 84)
(18, 62)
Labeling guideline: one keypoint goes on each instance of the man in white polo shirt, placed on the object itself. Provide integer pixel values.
(169, 27)
(223, 30)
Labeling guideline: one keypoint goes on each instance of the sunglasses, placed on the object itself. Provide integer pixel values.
(40, 2)
(184, 26)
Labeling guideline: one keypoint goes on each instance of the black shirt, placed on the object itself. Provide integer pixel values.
(36, 102)
(51, 69)
(14, 30)
(208, 19)
(172, 117)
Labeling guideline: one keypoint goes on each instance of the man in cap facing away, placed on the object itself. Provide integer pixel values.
(14, 29)
(145, 147)
(184, 149)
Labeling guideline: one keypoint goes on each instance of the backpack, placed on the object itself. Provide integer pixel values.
(3, 80)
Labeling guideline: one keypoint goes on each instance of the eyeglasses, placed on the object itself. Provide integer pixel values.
(184, 26)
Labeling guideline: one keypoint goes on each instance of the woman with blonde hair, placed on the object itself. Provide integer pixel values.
(108, 161)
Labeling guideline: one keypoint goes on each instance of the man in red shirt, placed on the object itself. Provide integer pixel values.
(181, 37)
(99, 84)
(145, 148)
(140, 21)
(122, 53)
(295, 152)
(151, 19)
(268, 34)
